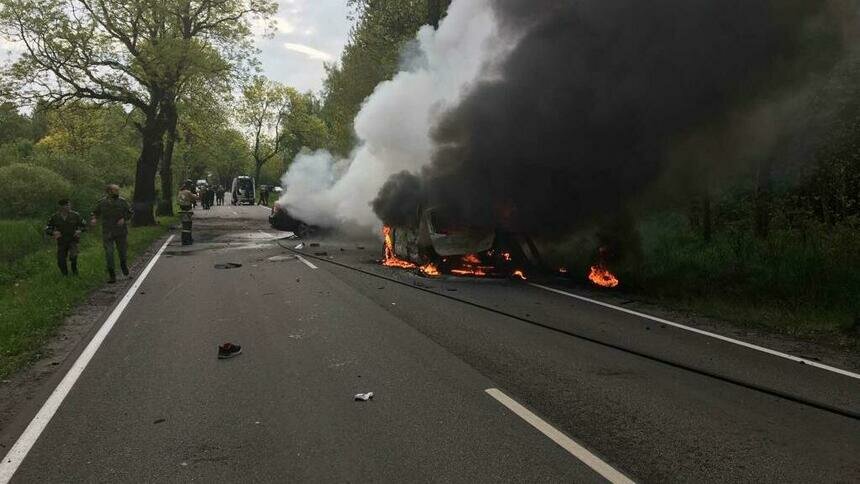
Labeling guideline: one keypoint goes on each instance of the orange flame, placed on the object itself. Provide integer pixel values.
(471, 267)
(430, 269)
(602, 277)
(390, 259)
(520, 274)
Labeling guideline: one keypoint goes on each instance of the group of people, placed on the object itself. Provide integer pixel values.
(207, 195)
(66, 227)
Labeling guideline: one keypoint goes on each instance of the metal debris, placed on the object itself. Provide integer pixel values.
(321, 254)
(229, 265)
(279, 258)
(315, 244)
(363, 397)
(300, 246)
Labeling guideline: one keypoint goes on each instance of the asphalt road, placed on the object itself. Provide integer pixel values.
(649, 401)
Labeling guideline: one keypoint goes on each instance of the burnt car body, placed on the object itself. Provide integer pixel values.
(281, 219)
(460, 249)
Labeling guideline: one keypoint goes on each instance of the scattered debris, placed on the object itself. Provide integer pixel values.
(143, 292)
(268, 294)
(279, 258)
(381, 287)
(342, 249)
(359, 247)
(363, 397)
(228, 350)
(452, 289)
(300, 246)
(160, 420)
(321, 254)
(229, 265)
(315, 244)
(298, 280)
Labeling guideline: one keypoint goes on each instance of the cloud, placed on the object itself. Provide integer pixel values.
(284, 26)
(309, 51)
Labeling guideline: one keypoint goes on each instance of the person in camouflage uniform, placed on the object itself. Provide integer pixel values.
(66, 226)
(115, 213)
(186, 200)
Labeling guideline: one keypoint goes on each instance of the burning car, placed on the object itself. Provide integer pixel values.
(437, 243)
(280, 219)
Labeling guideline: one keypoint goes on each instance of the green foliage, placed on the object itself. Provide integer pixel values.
(19, 238)
(30, 191)
(371, 56)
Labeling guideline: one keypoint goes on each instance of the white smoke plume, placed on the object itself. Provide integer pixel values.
(394, 124)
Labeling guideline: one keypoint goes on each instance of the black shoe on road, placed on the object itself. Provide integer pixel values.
(228, 350)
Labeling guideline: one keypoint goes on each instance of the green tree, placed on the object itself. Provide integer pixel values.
(263, 112)
(138, 53)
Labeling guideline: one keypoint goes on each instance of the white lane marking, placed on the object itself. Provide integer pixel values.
(568, 444)
(27, 439)
(704, 333)
(307, 262)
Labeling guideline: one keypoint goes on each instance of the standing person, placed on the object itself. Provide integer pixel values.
(115, 213)
(203, 195)
(219, 193)
(211, 196)
(264, 195)
(186, 199)
(66, 226)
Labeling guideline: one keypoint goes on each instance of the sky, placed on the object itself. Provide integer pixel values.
(307, 34)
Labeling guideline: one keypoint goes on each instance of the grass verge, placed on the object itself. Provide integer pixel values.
(35, 298)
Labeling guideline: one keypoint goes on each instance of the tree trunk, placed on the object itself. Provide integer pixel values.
(165, 205)
(257, 167)
(147, 167)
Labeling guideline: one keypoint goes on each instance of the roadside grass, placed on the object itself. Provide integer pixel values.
(34, 297)
(804, 282)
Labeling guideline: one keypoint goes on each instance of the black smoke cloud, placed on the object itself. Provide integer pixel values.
(588, 103)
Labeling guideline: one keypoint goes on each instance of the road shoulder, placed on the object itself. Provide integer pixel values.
(23, 392)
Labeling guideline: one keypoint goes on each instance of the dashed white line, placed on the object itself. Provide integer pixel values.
(703, 333)
(307, 262)
(575, 449)
(27, 439)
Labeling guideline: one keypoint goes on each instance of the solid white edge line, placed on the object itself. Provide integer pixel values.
(306, 262)
(25, 442)
(704, 333)
(584, 455)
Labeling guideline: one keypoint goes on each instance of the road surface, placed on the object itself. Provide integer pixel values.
(473, 381)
